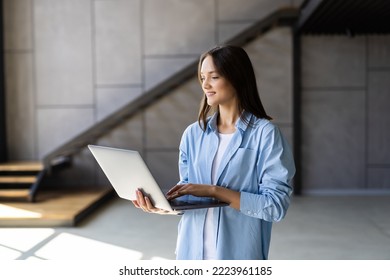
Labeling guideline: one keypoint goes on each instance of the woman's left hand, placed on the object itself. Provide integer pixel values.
(223, 194)
(191, 189)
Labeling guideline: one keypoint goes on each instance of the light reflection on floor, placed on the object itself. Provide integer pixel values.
(67, 246)
(14, 242)
(46, 244)
(314, 228)
(7, 211)
(117, 231)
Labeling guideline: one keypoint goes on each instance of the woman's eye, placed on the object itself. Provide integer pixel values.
(215, 77)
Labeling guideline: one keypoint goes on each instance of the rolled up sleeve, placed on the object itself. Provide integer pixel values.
(276, 169)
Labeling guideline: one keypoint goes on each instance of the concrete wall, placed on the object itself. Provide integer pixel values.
(346, 119)
(157, 130)
(69, 63)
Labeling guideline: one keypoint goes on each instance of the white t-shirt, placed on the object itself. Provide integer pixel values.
(209, 246)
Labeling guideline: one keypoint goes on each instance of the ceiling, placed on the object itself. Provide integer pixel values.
(348, 17)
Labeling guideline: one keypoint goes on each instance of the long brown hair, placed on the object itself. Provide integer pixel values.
(233, 64)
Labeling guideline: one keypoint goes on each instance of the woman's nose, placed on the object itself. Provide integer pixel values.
(206, 84)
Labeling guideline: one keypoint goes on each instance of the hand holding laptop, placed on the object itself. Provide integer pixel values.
(132, 180)
(143, 202)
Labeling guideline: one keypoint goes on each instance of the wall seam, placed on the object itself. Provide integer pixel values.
(142, 43)
(95, 170)
(93, 59)
(110, 86)
(216, 23)
(143, 79)
(366, 115)
(346, 88)
(34, 81)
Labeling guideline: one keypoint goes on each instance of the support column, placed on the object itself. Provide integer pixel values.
(297, 110)
(3, 129)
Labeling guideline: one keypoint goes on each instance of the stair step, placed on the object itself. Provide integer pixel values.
(18, 179)
(11, 193)
(22, 166)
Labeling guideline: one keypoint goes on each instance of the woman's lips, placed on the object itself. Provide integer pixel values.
(210, 93)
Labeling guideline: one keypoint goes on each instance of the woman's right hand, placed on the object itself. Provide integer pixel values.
(143, 202)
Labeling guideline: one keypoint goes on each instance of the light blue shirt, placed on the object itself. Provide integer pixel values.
(259, 164)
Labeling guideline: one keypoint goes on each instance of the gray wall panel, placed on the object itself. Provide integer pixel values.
(227, 30)
(175, 27)
(333, 139)
(379, 178)
(166, 120)
(118, 42)
(63, 52)
(379, 51)
(271, 57)
(158, 70)
(333, 61)
(379, 118)
(21, 130)
(109, 99)
(228, 10)
(17, 24)
(164, 166)
(57, 125)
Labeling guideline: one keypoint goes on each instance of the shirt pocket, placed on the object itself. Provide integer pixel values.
(241, 171)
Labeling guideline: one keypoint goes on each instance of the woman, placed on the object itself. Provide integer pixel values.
(236, 156)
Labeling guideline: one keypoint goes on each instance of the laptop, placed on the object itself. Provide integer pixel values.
(127, 172)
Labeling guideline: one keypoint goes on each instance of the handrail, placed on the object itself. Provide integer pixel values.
(281, 17)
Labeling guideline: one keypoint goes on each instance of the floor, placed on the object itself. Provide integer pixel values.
(52, 208)
(314, 228)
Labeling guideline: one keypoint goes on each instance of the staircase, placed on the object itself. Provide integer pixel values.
(20, 180)
(281, 17)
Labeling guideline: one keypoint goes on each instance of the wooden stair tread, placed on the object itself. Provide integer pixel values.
(54, 208)
(22, 166)
(18, 179)
(10, 193)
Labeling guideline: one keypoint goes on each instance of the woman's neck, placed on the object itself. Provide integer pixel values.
(227, 120)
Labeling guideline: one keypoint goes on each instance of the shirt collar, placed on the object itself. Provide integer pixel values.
(240, 124)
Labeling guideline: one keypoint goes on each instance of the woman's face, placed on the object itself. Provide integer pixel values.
(218, 89)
